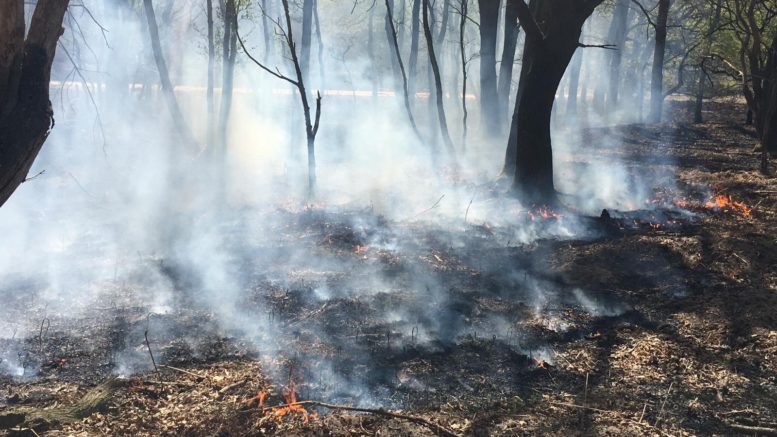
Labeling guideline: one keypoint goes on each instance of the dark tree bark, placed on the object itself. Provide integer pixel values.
(398, 58)
(511, 31)
(164, 77)
(463, 9)
(437, 80)
(414, 38)
(391, 42)
(617, 37)
(489, 107)
(702, 79)
(547, 52)
(26, 117)
(657, 75)
(311, 123)
(228, 72)
(211, 102)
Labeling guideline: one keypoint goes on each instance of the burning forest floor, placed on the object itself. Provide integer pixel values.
(655, 322)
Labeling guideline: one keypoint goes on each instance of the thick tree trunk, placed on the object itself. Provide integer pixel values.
(437, 80)
(657, 75)
(26, 116)
(547, 53)
(511, 31)
(489, 112)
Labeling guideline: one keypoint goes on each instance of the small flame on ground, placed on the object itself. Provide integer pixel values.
(726, 203)
(542, 212)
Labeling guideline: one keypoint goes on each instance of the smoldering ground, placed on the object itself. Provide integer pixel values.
(399, 257)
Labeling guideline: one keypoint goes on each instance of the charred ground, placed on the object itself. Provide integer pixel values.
(643, 326)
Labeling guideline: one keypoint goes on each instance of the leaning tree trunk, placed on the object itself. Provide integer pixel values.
(437, 80)
(26, 117)
(414, 38)
(547, 53)
(489, 116)
(511, 30)
(657, 76)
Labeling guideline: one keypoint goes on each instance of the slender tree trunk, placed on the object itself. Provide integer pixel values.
(228, 72)
(463, 8)
(26, 116)
(320, 40)
(657, 76)
(265, 30)
(398, 58)
(211, 102)
(307, 31)
(714, 23)
(164, 76)
(390, 40)
(489, 107)
(414, 38)
(443, 24)
(618, 33)
(574, 81)
(511, 31)
(437, 80)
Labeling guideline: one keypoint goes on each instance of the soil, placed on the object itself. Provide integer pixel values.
(659, 321)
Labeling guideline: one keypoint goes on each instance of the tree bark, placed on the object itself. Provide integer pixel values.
(228, 73)
(617, 37)
(489, 112)
(26, 117)
(547, 53)
(437, 80)
(511, 31)
(307, 32)
(414, 38)
(164, 76)
(657, 75)
(701, 80)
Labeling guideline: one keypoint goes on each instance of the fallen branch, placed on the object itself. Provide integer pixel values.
(752, 429)
(182, 371)
(438, 429)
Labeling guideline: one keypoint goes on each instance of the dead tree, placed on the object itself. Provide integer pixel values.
(164, 77)
(552, 29)
(311, 123)
(398, 59)
(446, 137)
(489, 16)
(414, 38)
(307, 37)
(26, 116)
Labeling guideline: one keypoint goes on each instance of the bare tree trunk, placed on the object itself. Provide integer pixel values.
(714, 23)
(618, 33)
(26, 117)
(164, 76)
(547, 52)
(266, 31)
(437, 80)
(574, 81)
(398, 58)
(489, 114)
(464, 6)
(390, 39)
(414, 37)
(211, 102)
(228, 72)
(320, 40)
(307, 31)
(657, 75)
(511, 31)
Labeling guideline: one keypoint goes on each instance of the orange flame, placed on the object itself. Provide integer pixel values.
(726, 203)
(543, 212)
(291, 408)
